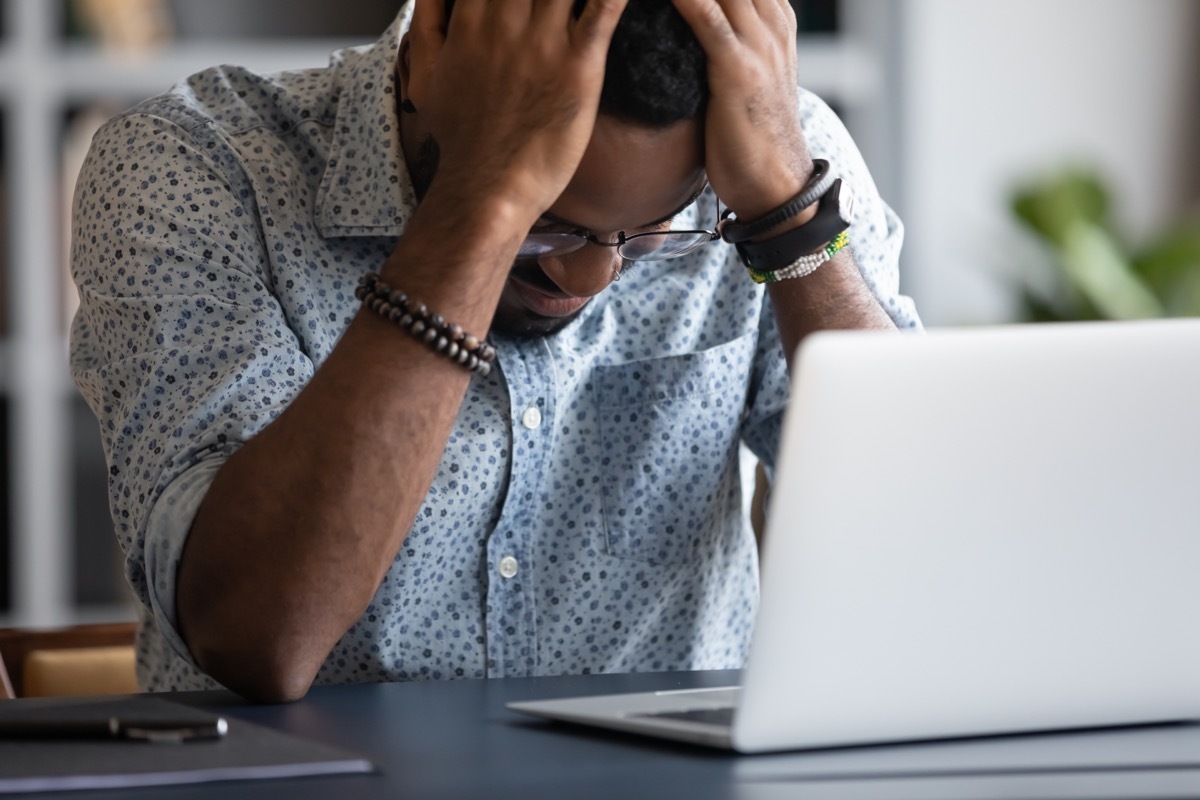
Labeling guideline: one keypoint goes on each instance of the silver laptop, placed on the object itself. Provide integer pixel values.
(971, 532)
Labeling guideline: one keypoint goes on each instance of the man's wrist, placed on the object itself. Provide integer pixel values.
(798, 209)
(801, 242)
(785, 181)
(476, 213)
(787, 225)
(455, 254)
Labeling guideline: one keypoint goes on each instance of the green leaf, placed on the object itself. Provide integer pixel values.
(1052, 207)
(1171, 266)
(1095, 265)
(1184, 298)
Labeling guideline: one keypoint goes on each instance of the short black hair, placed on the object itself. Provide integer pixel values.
(657, 73)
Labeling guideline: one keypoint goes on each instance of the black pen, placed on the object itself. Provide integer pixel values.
(131, 729)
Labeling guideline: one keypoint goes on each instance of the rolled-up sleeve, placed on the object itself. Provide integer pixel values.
(876, 233)
(179, 346)
(876, 237)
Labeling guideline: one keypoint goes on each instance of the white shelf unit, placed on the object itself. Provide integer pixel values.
(42, 75)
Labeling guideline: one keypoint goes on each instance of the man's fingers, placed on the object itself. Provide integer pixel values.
(429, 19)
(421, 45)
(716, 23)
(773, 12)
(709, 22)
(597, 23)
(778, 15)
(743, 15)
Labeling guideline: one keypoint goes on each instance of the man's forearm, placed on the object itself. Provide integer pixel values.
(303, 522)
(833, 297)
(757, 157)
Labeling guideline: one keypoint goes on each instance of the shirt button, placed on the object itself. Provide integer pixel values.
(532, 418)
(508, 567)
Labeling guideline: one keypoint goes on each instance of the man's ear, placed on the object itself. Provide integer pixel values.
(404, 67)
(419, 49)
(414, 59)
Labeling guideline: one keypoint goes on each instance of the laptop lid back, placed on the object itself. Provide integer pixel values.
(981, 531)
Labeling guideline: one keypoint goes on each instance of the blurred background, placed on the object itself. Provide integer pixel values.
(1041, 152)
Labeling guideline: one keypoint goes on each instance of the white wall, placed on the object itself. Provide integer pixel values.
(992, 92)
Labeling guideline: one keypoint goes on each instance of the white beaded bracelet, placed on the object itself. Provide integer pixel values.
(804, 265)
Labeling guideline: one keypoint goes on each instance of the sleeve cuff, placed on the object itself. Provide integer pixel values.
(166, 533)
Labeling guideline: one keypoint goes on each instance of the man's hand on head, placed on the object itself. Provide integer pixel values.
(755, 152)
(510, 91)
(756, 155)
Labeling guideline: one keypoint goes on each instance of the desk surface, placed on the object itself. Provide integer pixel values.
(455, 739)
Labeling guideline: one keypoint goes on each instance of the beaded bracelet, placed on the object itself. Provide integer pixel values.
(805, 265)
(445, 339)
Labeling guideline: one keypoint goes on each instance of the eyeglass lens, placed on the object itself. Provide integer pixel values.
(641, 247)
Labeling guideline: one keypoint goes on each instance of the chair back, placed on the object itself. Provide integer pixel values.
(80, 660)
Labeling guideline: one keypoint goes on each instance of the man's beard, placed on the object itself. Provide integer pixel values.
(515, 321)
(510, 320)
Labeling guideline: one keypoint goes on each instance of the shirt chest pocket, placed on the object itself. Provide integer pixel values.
(668, 431)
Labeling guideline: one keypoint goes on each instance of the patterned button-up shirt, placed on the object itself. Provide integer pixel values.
(590, 510)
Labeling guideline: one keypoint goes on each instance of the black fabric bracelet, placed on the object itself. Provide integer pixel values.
(833, 217)
(445, 339)
(818, 184)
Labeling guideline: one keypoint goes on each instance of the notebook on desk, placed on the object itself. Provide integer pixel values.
(971, 532)
(38, 762)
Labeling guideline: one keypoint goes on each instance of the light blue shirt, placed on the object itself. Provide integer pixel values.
(590, 510)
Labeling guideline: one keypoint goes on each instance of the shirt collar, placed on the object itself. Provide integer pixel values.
(367, 189)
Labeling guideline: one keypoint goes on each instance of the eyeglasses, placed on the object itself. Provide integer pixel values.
(650, 246)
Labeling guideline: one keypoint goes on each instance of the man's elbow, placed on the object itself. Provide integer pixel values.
(266, 652)
(266, 672)
(274, 688)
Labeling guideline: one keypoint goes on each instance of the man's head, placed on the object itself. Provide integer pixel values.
(657, 73)
(644, 164)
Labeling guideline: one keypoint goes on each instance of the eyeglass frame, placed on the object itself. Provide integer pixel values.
(588, 237)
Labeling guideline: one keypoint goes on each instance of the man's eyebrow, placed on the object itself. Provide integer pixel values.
(566, 223)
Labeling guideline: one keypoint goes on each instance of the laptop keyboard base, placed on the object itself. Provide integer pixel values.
(709, 716)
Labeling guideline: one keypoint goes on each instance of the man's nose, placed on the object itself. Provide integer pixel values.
(584, 272)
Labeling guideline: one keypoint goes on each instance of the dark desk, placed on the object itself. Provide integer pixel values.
(456, 740)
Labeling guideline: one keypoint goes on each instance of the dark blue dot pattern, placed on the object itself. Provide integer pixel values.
(219, 232)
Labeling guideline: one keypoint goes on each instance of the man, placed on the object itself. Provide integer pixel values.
(308, 487)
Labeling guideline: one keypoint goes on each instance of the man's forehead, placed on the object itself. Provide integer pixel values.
(633, 176)
(550, 216)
